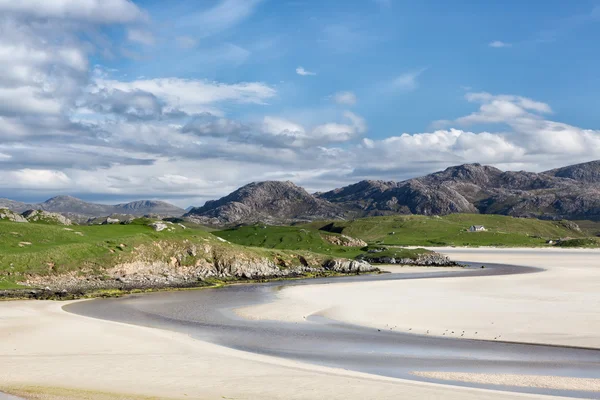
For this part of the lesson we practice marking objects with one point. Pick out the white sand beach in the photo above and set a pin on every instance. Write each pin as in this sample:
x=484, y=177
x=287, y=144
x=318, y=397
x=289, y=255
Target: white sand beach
x=558, y=306
x=64, y=356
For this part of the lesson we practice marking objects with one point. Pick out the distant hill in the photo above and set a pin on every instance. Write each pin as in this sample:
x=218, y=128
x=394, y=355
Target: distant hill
x=72, y=206
x=566, y=193
x=269, y=202
x=474, y=188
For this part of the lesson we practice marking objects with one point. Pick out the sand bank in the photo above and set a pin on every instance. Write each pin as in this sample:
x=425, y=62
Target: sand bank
x=49, y=354
x=558, y=306
x=546, y=382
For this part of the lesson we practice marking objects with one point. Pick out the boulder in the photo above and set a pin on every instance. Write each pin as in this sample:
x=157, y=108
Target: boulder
x=9, y=215
x=46, y=217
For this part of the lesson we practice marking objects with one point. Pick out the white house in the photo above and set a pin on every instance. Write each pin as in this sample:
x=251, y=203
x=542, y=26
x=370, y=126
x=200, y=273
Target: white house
x=477, y=228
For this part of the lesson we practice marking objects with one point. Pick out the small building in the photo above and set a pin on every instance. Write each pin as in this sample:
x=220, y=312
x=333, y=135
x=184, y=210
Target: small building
x=477, y=228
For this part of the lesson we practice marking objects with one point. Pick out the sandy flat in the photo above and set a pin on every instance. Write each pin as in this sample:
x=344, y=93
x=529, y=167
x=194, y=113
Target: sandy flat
x=538, y=381
x=557, y=306
x=49, y=354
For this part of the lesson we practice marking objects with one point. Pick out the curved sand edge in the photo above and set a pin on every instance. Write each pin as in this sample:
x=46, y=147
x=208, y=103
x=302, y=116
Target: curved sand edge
x=538, y=381
x=557, y=307
x=43, y=346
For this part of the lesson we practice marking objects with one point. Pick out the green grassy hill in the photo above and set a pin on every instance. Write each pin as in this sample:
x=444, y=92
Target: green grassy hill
x=286, y=237
x=308, y=239
x=451, y=230
x=28, y=249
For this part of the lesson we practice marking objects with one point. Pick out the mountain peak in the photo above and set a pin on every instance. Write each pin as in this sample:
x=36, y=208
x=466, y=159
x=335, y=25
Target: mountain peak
x=588, y=172
x=267, y=201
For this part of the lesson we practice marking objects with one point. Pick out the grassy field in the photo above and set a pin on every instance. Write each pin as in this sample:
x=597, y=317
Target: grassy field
x=286, y=238
x=451, y=230
x=308, y=239
x=29, y=249
x=41, y=248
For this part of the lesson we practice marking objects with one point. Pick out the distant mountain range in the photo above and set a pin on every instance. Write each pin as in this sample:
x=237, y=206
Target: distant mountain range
x=71, y=206
x=571, y=192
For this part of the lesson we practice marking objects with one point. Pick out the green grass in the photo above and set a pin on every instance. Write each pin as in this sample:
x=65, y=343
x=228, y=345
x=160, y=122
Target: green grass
x=286, y=238
x=40, y=249
x=450, y=230
x=293, y=238
x=585, y=242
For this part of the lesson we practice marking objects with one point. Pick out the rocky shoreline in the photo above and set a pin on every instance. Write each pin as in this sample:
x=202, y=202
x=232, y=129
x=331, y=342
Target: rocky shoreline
x=149, y=276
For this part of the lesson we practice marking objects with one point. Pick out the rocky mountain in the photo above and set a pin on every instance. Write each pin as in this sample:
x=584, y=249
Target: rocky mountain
x=268, y=202
x=587, y=172
x=569, y=193
x=73, y=207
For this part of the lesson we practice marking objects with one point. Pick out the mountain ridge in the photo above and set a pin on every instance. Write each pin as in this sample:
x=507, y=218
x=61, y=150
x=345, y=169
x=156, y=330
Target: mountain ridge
x=467, y=188
x=65, y=204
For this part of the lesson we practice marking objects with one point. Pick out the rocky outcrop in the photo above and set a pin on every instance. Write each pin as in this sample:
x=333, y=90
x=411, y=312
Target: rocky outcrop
x=12, y=216
x=586, y=172
x=166, y=264
x=343, y=240
x=269, y=202
x=46, y=217
x=349, y=266
x=423, y=260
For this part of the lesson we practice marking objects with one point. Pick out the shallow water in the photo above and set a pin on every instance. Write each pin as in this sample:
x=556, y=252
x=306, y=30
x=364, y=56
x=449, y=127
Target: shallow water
x=208, y=315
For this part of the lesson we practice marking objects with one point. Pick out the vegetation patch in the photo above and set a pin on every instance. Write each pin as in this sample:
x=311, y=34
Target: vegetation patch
x=452, y=230
x=584, y=242
x=288, y=238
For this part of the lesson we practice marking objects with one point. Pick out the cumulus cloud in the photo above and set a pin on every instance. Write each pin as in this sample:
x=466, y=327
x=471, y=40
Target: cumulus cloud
x=95, y=11
x=345, y=98
x=38, y=179
x=192, y=96
x=279, y=132
x=303, y=72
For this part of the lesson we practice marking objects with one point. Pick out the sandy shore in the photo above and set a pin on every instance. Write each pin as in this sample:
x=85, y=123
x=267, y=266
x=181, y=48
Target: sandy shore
x=546, y=382
x=558, y=306
x=49, y=354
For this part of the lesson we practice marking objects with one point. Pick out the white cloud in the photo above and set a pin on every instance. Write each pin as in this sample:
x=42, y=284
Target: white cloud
x=303, y=72
x=140, y=36
x=345, y=98
x=190, y=95
x=38, y=179
x=501, y=108
x=499, y=44
x=407, y=81
x=96, y=11
x=276, y=126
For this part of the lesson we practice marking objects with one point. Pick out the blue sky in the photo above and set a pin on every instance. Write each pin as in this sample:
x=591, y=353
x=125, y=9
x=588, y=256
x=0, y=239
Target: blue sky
x=362, y=45
x=187, y=100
